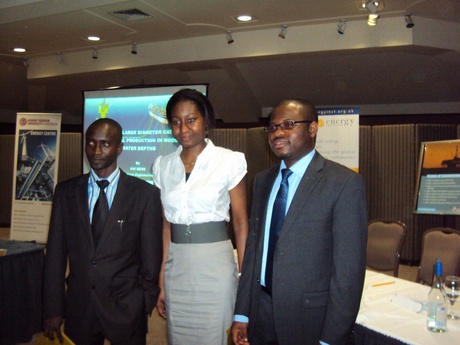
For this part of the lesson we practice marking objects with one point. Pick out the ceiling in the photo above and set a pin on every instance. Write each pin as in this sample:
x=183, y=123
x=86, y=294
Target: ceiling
x=421, y=76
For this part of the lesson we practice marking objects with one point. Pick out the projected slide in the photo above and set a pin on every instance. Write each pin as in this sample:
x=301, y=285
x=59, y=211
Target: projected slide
x=438, y=188
x=142, y=114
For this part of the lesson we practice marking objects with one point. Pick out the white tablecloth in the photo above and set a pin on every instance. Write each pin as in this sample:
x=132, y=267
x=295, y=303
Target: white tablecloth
x=382, y=314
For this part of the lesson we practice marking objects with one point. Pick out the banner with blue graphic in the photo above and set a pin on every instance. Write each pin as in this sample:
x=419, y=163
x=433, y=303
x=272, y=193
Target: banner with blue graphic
x=36, y=158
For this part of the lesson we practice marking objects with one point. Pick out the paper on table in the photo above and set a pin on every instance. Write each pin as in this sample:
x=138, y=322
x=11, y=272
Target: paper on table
x=42, y=340
x=407, y=303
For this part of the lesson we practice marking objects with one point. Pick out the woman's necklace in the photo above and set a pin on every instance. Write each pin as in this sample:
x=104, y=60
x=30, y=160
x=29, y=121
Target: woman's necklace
x=188, y=164
x=191, y=164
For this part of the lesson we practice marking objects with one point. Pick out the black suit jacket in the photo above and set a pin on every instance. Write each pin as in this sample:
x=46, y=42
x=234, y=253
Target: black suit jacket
x=320, y=257
x=119, y=279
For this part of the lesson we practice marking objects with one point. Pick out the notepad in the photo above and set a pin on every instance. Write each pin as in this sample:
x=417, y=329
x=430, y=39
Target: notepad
x=407, y=303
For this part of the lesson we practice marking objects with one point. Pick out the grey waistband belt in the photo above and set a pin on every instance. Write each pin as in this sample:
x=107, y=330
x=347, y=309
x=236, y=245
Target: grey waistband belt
x=199, y=233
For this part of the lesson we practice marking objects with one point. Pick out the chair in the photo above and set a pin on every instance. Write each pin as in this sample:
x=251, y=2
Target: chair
x=384, y=242
x=442, y=242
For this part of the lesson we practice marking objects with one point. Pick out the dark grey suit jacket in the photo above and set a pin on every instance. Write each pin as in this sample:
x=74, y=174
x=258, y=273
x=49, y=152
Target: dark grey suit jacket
x=320, y=257
x=119, y=279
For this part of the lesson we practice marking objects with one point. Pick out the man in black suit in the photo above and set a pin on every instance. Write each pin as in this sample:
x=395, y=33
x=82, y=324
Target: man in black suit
x=112, y=282
x=302, y=280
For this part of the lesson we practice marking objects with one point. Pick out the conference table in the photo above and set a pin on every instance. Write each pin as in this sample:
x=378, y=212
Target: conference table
x=21, y=279
x=392, y=312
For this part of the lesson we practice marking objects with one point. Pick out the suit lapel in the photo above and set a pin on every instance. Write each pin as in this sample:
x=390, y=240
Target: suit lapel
x=81, y=196
x=310, y=178
x=266, y=188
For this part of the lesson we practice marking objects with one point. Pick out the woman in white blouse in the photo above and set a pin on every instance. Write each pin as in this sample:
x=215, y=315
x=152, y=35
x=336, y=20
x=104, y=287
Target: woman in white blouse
x=198, y=183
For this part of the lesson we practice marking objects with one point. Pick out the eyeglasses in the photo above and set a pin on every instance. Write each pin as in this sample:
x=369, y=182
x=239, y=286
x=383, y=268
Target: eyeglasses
x=285, y=125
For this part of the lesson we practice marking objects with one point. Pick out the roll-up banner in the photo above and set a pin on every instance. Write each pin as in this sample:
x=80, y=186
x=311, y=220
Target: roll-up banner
x=338, y=135
x=36, y=158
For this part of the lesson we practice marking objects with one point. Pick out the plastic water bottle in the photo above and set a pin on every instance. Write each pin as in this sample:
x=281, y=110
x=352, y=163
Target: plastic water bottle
x=436, y=317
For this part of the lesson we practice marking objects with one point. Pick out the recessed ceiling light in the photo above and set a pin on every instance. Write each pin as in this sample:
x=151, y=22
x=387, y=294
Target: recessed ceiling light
x=94, y=38
x=244, y=18
x=19, y=50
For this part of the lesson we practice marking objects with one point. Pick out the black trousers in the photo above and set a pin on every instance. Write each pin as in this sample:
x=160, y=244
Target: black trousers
x=97, y=334
x=264, y=326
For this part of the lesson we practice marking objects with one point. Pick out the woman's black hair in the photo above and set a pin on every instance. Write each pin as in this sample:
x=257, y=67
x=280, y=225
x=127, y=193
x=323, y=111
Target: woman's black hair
x=201, y=101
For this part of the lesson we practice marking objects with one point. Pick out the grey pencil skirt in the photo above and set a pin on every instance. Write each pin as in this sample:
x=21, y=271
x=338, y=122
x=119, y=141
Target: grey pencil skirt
x=200, y=292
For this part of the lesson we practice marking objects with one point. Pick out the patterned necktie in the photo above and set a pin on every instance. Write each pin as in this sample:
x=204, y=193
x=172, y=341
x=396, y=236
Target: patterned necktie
x=278, y=214
x=100, y=212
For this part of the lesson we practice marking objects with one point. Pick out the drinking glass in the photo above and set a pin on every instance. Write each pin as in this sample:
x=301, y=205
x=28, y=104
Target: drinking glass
x=452, y=291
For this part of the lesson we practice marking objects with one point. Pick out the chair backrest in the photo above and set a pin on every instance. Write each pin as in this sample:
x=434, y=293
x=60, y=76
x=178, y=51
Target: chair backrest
x=442, y=242
x=384, y=242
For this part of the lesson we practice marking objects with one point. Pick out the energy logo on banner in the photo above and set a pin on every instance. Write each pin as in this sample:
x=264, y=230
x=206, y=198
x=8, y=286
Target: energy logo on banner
x=338, y=135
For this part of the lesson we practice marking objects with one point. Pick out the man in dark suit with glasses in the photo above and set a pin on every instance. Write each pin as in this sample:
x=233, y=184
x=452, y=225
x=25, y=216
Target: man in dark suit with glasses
x=305, y=259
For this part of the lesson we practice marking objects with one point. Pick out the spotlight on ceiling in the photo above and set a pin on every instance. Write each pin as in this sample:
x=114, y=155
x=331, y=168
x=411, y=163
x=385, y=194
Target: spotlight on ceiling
x=244, y=18
x=94, y=53
x=372, y=19
x=94, y=38
x=372, y=7
x=341, y=26
x=134, y=49
x=409, y=22
x=283, y=31
x=230, y=39
x=59, y=57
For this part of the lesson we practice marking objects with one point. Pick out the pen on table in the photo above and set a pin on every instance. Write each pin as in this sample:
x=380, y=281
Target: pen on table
x=381, y=284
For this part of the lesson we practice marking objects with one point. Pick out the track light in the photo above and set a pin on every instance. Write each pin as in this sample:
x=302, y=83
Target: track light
x=372, y=19
x=372, y=7
x=134, y=49
x=409, y=22
x=283, y=31
x=94, y=53
x=229, y=37
x=59, y=58
x=341, y=26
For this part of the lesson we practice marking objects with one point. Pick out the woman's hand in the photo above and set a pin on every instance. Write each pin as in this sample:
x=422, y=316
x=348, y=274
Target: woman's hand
x=161, y=306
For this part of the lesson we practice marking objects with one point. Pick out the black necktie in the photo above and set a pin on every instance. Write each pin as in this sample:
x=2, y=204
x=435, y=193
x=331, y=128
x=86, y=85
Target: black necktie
x=278, y=214
x=100, y=212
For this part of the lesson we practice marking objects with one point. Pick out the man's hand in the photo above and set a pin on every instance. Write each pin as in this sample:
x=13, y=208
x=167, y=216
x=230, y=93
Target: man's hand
x=51, y=326
x=240, y=333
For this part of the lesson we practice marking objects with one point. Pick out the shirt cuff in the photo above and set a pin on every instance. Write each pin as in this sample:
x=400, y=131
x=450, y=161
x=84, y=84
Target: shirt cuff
x=240, y=318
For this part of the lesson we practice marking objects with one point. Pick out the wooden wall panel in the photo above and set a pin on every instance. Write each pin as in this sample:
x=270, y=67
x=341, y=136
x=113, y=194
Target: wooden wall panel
x=393, y=178
x=232, y=138
x=70, y=156
x=258, y=155
x=365, y=159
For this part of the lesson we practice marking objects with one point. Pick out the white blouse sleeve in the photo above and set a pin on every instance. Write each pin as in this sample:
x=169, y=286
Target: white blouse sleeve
x=156, y=171
x=238, y=169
